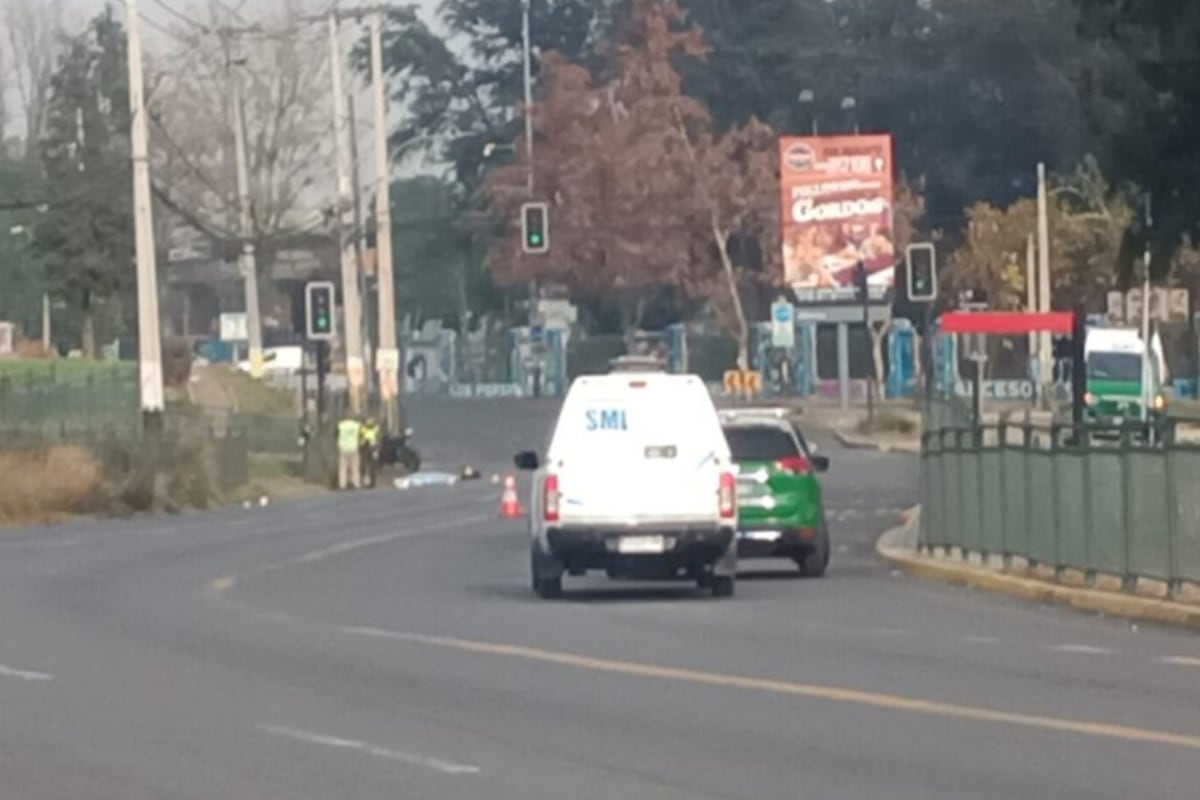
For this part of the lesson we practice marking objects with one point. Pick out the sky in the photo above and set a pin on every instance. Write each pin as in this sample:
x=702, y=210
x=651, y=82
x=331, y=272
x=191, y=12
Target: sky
x=168, y=15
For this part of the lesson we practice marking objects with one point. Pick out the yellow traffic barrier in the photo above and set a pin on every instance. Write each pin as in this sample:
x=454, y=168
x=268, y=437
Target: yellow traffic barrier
x=733, y=381
x=752, y=383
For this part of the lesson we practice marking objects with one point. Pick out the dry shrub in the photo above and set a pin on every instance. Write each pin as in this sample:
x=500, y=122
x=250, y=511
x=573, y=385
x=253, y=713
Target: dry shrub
x=191, y=476
x=889, y=422
x=40, y=485
x=32, y=348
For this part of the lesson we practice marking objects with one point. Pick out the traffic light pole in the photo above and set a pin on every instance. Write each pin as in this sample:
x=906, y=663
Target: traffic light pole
x=864, y=290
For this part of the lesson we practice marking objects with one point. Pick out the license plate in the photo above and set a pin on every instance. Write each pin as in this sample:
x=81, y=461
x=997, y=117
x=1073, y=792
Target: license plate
x=639, y=545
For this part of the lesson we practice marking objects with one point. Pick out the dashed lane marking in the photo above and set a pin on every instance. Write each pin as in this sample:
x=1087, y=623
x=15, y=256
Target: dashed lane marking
x=892, y=702
x=1180, y=661
x=1084, y=649
x=225, y=583
x=24, y=674
x=366, y=748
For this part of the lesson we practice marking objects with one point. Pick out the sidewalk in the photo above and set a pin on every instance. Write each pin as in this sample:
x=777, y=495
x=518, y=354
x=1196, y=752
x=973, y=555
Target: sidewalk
x=899, y=547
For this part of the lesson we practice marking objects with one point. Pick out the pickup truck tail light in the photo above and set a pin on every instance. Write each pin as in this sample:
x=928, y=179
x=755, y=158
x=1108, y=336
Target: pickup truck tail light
x=550, y=499
x=795, y=464
x=727, y=496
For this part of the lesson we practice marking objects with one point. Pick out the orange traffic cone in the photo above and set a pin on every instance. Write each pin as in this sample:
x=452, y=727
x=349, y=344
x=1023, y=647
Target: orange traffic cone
x=510, y=504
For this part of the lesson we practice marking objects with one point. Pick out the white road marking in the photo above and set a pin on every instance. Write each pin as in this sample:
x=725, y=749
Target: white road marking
x=841, y=694
x=1085, y=649
x=358, y=544
x=981, y=639
x=436, y=764
x=1180, y=661
x=221, y=585
x=24, y=674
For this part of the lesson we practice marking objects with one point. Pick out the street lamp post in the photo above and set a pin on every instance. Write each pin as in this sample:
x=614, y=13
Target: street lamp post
x=527, y=47
x=849, y=104
x=808, y=97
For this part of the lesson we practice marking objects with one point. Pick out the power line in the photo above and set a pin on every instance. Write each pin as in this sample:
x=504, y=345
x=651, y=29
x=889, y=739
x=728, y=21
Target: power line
x=182, y=17
x=191, y=165
x=163, y=29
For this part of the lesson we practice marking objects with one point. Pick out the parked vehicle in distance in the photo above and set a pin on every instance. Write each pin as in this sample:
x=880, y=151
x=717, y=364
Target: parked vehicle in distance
x=637, y=482
x=781, y=513
x=1120, y=379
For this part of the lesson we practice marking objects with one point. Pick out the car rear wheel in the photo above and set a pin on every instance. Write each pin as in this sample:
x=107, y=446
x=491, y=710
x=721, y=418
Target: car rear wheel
x=815, y=563
x=721, y=585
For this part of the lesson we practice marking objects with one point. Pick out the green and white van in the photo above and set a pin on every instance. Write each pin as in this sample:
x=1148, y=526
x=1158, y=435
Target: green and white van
x=1115, y=375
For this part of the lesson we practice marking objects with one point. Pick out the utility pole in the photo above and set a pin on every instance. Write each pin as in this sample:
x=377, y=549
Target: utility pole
x=351, y=300
x=1031, y=301
x=247, y=259
x=149, y=342
x=387, y=357
x=359, y=242
x=1043, y=231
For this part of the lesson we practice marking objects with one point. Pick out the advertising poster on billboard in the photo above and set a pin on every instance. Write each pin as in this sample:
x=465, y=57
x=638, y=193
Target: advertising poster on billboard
x=836, y=210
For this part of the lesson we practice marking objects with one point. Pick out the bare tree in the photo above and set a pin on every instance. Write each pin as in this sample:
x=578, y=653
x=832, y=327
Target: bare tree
x=33, y=30
x=286, y=108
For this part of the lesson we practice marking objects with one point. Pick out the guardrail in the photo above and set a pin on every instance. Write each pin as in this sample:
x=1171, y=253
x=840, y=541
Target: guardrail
x=1064, y=498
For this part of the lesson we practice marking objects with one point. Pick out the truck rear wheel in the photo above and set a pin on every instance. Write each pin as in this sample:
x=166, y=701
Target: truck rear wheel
x=544, y=586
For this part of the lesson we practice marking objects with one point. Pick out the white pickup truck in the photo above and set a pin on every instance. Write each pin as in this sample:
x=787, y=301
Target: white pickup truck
x=637, y=482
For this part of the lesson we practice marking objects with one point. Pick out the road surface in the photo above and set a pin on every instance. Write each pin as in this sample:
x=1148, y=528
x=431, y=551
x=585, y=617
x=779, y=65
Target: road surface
x=387, y=646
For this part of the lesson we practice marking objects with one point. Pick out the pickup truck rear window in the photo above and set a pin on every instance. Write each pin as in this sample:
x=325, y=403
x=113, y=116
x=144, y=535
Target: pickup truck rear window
x=759, y=443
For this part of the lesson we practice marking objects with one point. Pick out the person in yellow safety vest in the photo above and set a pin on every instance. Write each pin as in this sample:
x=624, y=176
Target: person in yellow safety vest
x=369, y=452
x=349, y=462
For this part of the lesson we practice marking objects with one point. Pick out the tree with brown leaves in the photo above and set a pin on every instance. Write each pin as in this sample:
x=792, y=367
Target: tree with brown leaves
x=644, y=194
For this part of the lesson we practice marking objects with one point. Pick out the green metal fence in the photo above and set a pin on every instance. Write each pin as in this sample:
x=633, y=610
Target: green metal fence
x=71, y=398
x=1063, y=499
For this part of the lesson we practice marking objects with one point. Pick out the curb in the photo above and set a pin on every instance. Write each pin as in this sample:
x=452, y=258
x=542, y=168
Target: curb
x=851, y=442
x=1147, y=609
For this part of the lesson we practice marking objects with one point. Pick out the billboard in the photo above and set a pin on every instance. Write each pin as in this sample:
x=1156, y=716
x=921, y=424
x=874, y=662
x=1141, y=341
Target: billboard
x=1166, y=305
x=836, y=210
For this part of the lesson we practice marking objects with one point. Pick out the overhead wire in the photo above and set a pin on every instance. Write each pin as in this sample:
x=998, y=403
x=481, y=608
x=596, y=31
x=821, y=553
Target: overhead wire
x=181, y=16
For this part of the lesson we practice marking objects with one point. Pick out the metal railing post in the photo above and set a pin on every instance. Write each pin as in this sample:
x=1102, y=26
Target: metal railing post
x=1127, y=580
x=1030, y=515
x=962, y=504
x=980, y=490
x=1002, y=448
x=1089, y=566
x=1055, y=508
x=1174, y=580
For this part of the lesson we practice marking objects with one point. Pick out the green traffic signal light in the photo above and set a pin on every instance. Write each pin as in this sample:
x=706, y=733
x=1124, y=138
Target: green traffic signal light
x=534, y=223
x=319, y=309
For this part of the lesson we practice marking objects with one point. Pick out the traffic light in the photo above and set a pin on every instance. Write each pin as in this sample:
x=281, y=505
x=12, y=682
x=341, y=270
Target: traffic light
x=535, y=227
x=922, y=273
x=319, y=301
